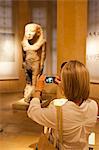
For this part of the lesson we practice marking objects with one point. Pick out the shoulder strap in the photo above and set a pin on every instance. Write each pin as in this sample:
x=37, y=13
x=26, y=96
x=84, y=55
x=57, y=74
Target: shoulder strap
x=59, y=123
x=58, y=103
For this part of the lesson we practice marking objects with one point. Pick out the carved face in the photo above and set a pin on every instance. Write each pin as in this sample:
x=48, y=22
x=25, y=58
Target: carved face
x=30, y=31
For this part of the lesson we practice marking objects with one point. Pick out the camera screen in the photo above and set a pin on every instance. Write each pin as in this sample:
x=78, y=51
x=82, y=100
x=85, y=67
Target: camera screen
x=49, y=79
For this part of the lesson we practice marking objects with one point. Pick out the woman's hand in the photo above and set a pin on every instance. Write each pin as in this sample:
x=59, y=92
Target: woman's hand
x=57, y=80
x=40, y=83
x=39, y=86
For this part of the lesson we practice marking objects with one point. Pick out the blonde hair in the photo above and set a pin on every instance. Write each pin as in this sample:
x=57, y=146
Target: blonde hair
x=75, y=81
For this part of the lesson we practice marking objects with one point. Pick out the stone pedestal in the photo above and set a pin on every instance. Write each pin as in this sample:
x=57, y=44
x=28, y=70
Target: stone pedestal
x=49, y=93
x=20, y=105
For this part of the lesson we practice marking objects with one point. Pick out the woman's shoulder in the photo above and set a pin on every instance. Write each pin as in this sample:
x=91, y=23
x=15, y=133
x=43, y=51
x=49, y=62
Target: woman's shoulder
x=92, y=103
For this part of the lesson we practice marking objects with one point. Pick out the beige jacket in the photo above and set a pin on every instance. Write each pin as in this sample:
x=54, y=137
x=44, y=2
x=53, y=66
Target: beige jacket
x=78, y=121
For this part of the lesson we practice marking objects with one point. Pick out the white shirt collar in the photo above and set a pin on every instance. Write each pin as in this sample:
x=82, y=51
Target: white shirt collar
x=59, y=102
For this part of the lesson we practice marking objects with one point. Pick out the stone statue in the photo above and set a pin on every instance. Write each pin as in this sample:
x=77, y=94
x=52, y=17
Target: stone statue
x=34, y=53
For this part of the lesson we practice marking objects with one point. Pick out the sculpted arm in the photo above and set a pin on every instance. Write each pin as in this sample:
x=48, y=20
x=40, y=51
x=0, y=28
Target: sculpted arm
x=43, y=55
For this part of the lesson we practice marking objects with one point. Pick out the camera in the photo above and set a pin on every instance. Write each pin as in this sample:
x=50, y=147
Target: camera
x=50, y=79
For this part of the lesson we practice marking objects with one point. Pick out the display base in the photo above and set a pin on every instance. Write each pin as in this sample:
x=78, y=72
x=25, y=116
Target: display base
x=20, y=105
x=48, y=93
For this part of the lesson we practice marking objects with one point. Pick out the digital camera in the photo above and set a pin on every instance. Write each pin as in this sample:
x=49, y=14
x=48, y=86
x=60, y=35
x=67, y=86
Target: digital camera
x=50, y=79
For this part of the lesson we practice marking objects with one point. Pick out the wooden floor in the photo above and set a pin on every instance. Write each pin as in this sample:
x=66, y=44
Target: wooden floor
x=19, y=132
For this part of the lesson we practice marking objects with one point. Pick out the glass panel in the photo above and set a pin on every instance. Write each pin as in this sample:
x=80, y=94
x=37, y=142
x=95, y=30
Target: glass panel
x=5, y=16
x=39, y=16
x=8, y=55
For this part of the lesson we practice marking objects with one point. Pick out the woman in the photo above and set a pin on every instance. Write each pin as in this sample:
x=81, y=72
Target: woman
x=79, y=112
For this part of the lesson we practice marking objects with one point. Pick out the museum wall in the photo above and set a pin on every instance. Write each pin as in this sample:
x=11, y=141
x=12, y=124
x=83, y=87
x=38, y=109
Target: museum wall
x=72, y=33
x=94, y=91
